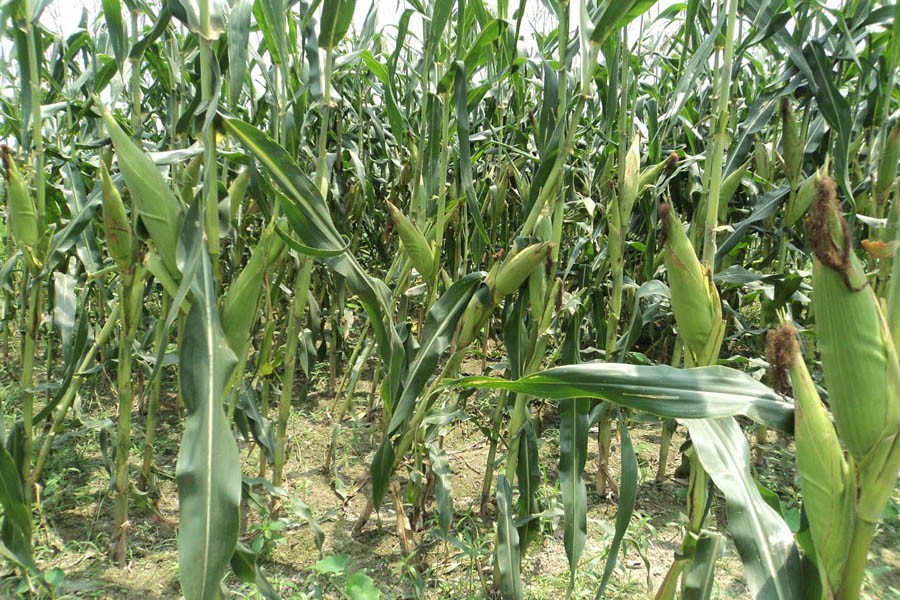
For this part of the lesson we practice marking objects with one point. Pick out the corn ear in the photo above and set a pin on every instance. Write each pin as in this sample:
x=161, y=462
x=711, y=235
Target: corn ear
x=858, y=355
x=827, y=482
x=695, y=300
x=631, y=181
x=476, y=314
x=237, y=191
x=503, y=279
x=155, y=203
x=728, y=189
x=190, y=178
x=115, y=223
x=887, y=164
x=20, y=210
x=651, y=174
x=790, y=141
x=417, y=247
x=800, y=202
x=763, y=160
x=730, y=185
x=516, y=268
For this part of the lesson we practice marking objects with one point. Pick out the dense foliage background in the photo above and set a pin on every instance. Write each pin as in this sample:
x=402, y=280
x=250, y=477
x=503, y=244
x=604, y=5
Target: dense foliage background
x=232, y=226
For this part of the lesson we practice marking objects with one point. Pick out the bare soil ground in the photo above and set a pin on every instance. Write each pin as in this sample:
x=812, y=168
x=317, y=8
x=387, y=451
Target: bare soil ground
x=76, y=517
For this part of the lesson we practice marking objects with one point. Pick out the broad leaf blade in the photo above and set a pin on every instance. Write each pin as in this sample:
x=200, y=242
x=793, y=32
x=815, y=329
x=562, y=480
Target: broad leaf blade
x=659, y=389
x=208, y=471
x=627, y=497
x=336, y=18
x=764, y=541
x=508, y=556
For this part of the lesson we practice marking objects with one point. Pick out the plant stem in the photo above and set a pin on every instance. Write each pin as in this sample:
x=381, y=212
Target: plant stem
x=69, y=396
x=295, y=315
x=32, y=321
x=857, y=556
x=719, y=140
x=153, y=404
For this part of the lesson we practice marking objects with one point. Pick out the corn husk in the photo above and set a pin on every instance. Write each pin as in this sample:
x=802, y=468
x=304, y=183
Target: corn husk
x=516, y=269
x=237, y=191
x=695, y=300
x=120, y=241
x=791, y=144
x=887, y=164
x=827, y=481
x=20, y=210
x=858, y=355
x=414, y=243
x=800, y=202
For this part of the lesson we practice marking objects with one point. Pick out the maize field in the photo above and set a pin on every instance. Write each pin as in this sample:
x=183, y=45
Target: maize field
x=450, y=299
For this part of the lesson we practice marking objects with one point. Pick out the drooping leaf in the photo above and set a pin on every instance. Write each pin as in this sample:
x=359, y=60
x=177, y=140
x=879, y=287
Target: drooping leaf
x=627, y=497
x=507, y=551
x=440, y=466
x=208, y=472
x=659, y=389
x=238, y=45
x=764, y=541
x=16, y=530
x=112, y=13
x=440, y=325
x=699, y=580
x=245, y=564
x=336, y=18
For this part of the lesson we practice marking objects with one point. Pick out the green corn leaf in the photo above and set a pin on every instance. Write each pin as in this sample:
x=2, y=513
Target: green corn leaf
x=16, y=530
x=245, y=564
x=615, y=16
x=627, y=497
x=460, y=95
x=661, y=390
x=835, y=109
x=112, y=13
x=699, y=579
x=336, y=18
x=240, y=302
x=319, y=231
x=440, y=15
x=208, y=472
x=309, y=217
x=238, y=45
x=573, y=445
x=64, y=304
x=507, y=553
x=270, y=17
x=764, y=541
x=528, y=479
x=573, y=438
x=440, y=466
x=162, y=22
x=440, y=325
